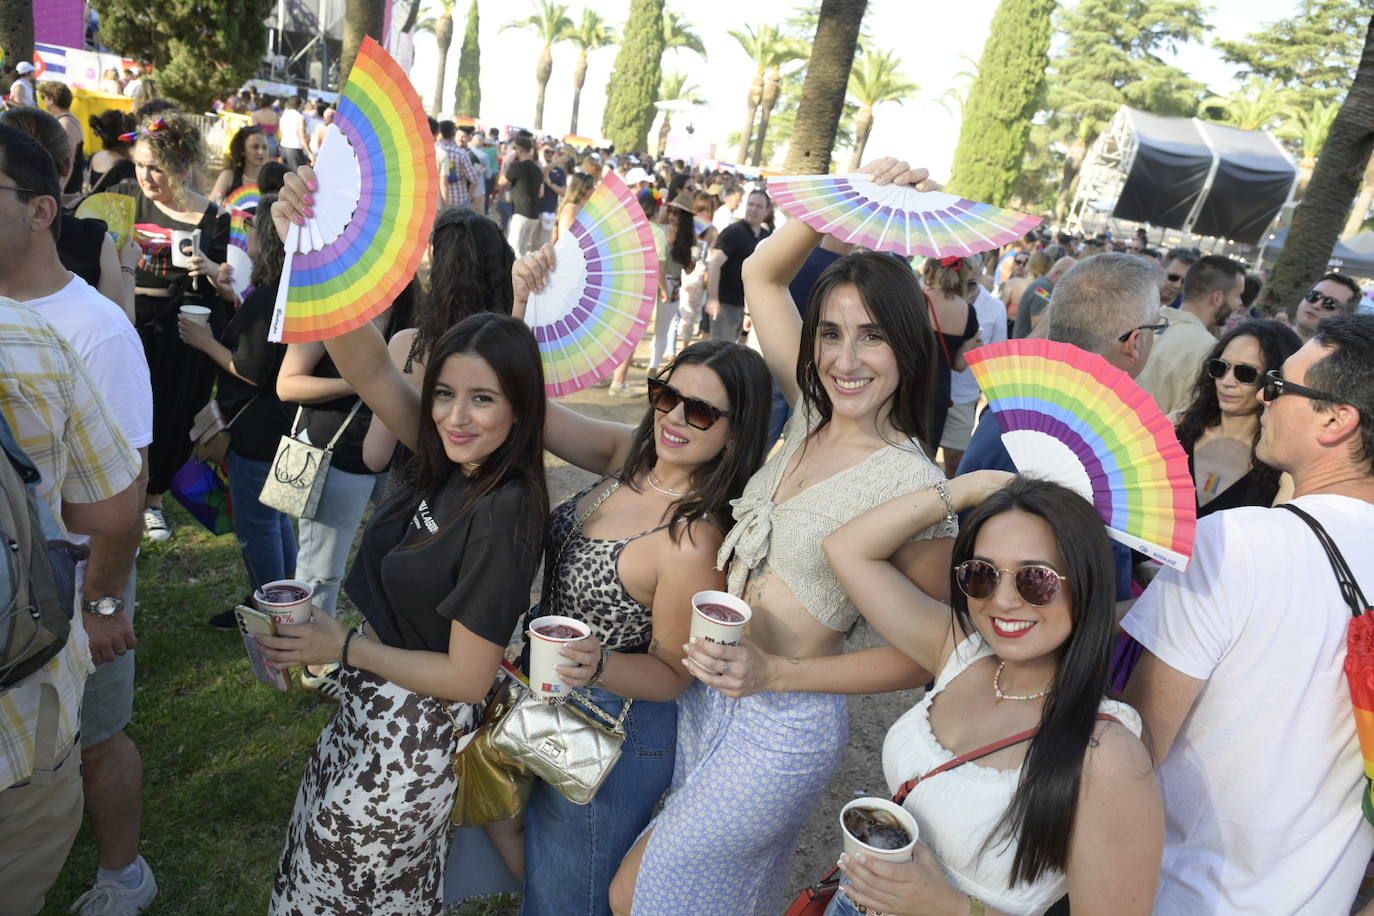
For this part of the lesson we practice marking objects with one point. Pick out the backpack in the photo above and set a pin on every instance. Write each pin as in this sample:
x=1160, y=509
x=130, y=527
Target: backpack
x=37, y=573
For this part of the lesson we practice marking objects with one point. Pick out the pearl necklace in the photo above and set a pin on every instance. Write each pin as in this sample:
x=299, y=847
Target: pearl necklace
x=1000, y=696
x=675, y=494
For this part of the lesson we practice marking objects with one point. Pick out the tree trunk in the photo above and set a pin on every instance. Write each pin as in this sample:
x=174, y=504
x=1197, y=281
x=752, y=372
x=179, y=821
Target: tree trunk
x=663, y=132
x=411, y=16
x=1318, y=219
x=361, y=18
x=1305, y=167
x=579, y=79
x=755, y=99
x=863, y=126
x=1362, y=203
x=16, y=33
x=542, y=74
x=772, y=83
x=827, y=81
x=443, y=35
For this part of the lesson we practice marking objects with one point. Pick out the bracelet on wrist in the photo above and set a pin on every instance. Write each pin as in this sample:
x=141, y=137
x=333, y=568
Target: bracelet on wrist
x=343, y=651
x=942, y=488
x=127, y=270
x=600, y=671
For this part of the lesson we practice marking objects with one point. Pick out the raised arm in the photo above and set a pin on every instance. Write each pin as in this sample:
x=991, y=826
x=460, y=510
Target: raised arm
x=380, y=443
x=363, y=360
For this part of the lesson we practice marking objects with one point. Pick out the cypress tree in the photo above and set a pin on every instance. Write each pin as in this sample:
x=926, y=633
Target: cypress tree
x=633, y=88
x=469, y=91
x=1002, y=101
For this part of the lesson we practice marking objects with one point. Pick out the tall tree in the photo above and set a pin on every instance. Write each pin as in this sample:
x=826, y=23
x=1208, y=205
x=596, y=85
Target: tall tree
x=16, y=31
x=1111, y=57
x=634, y=81
x=199, y=50
x=1318, y=219
x=678, y=33
x=827, y=80
x=551, y=23
x=768, y=47
x=592, y=33
x=361, y=19
x=874, y=81
x=675, y=88
x=1307, y=128
x=467, y=97
x=443, y=37
x=1316, y=49
x=1002, y=101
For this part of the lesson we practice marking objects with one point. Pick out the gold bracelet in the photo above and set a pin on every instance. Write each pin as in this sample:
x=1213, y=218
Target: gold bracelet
x=976, y=907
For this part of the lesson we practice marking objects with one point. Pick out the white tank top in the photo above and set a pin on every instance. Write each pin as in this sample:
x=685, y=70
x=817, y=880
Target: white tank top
x=957, y=809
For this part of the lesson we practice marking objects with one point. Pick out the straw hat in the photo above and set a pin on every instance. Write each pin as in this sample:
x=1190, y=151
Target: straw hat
x=684, y=201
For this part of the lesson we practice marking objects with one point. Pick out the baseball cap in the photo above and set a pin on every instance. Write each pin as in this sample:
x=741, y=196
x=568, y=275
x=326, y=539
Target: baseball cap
x=636, y=174
x=24, y=67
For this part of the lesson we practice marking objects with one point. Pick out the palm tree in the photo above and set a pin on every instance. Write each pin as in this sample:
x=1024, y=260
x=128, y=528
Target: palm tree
x=591, y=34
x=768, y=47
x=1308, y=128
x=442, y=28
x=678, y=33
x=675, y=88
x=827, y=77
x=361, y=18
x=873, y=81
x=1255, y=106
x=551, y=23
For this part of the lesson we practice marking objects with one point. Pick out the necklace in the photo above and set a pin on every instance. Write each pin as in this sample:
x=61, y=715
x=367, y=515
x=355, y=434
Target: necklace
x=675, y=494
x=997, y=688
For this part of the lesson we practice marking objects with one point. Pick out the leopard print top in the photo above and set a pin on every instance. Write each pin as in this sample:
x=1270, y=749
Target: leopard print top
x=583, y=580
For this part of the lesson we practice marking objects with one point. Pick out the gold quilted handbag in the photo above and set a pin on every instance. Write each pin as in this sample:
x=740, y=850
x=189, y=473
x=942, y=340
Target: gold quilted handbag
x=491, y=785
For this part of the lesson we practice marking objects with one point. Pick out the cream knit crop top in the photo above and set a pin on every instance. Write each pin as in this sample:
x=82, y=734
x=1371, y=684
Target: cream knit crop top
x=788, y=535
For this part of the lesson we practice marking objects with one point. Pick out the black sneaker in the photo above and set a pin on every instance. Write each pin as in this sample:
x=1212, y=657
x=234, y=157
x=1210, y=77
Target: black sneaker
x=224, y=620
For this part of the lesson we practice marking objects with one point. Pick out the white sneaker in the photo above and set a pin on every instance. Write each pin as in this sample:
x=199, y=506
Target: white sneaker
x=110, y=898
x=155, y=527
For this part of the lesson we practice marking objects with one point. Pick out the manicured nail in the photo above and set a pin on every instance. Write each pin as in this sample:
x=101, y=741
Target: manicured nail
x=309, y=212
x=309, y=199
x=692, y=641
x=313, y=185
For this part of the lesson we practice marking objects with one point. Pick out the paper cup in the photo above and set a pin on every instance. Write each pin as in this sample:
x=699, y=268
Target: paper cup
x=294, y=610
x=854, y=847
x=185, y=244
x=544, y=656
x=713, y=629
x=197, y=313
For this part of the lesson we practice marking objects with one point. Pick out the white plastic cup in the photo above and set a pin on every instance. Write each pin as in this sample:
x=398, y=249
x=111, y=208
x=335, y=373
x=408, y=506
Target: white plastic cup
x=197, y=313
x=544, y=656
x=854, y=847
x=296, y=610
x=713, y=629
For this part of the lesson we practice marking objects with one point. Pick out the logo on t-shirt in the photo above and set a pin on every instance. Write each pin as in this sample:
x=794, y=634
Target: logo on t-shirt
x=423, y=518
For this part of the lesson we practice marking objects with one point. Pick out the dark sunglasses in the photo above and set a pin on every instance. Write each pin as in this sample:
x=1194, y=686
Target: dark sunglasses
x=1020, y=261
x=1037, y=585
x=1159, y=328
x=1276, y=385
x=1174, y=278
x=699, y=415
x=1330, y=303
x=1245, y=374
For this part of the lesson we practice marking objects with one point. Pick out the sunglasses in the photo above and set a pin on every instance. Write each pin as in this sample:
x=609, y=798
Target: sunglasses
x=1174, y=278
x=1037, y=585
x=1276, y=385
x=699, y=415
x=1330, y=303
x=1245, y=374
x=1158, y=328
x=1019, y=262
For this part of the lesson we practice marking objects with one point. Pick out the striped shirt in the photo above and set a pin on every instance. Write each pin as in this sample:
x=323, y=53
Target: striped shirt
x=59, y=419
x=455, y=171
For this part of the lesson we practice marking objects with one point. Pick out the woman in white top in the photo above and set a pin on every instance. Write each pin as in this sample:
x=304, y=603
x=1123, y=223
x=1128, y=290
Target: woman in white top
x=1075, y=807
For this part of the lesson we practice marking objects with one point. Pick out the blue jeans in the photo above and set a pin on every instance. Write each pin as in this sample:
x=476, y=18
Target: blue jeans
x=326, y=538
x=572, y=851
x=265, y=535
x=778, y=417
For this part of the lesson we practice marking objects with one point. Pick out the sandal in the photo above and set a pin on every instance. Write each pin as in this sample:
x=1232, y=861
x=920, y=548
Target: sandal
x=326, y=683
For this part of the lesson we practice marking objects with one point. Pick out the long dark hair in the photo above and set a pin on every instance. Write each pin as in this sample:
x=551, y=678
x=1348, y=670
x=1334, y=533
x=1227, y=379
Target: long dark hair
x=235, y=157
x=508, y=346
x=889, y=292
x=745, y=377
x=271, y=251
x=683, y=227
x=470, y=272
x=1277, y=342
x=1040, y=818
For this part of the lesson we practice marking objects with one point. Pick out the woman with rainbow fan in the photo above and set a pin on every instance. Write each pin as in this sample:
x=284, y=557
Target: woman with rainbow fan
x=1023, y=656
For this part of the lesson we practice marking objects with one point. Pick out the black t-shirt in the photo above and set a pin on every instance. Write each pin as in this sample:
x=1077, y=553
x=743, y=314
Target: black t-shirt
x=526, y=185
x=414, y=574
x=80, y=246
x=256, y=433
x=325, y=418
x=738, y=242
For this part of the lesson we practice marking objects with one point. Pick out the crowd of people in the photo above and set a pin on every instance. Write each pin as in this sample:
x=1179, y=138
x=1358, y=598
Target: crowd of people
x=1146, y=740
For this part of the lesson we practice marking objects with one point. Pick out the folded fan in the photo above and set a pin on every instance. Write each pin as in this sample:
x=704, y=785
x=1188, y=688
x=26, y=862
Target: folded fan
x=896, y=217
x=117, y=210
x=1069, y=416
x=237, y=253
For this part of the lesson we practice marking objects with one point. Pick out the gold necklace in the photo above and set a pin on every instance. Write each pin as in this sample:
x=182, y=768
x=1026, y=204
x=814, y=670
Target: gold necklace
x=1000, y=696
x=675, y=494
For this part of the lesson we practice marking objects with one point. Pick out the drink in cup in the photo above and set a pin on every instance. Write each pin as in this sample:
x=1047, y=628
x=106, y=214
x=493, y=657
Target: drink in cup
x=879, y=829
x=719, y=617
x=547, y=635
x=287, y=600
x=197, y=313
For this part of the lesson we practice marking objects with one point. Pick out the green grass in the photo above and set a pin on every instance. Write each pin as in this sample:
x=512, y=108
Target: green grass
x=222, y=754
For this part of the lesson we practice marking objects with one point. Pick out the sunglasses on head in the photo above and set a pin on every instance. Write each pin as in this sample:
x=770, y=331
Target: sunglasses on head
x=1330, y=303
x=1245, y=374
x=699, y=415
x=1276, y=385
x=1037, y=585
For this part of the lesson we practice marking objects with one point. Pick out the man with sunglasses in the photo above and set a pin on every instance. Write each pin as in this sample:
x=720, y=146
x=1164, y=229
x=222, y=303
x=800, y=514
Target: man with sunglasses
x=1333, y=294
x=1211, y=291
x=1176, y=265
x=1242, y=685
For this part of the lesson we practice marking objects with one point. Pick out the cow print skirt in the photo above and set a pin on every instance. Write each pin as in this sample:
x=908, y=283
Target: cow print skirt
x=368, y=832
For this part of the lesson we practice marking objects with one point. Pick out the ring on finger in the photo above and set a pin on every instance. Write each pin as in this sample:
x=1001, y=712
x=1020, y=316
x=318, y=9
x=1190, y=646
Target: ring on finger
x=726, y=669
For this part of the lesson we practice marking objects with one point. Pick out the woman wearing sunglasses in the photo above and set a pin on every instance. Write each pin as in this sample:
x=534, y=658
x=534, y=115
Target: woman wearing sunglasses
x=1221, y=426
x=1024, y=655
x=761, y=735
x=625, y=556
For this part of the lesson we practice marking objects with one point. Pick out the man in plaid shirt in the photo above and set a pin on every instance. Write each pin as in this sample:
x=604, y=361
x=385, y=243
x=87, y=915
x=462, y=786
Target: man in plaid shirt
x=457, y=174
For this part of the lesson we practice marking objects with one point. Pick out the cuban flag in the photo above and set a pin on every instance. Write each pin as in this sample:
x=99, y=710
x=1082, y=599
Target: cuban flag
x=50, y=60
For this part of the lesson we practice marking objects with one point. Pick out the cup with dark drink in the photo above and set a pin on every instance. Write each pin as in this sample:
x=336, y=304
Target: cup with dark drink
x=547, y=635
x=719, y=617
x=287, y=600
x=878, y=828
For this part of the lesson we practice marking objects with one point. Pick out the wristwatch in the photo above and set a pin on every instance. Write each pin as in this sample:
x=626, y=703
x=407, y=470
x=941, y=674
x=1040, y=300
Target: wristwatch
x=104, y=606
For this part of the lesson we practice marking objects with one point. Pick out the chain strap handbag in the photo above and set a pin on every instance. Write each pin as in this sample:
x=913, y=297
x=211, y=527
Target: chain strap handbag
x=210, y=431
x=492, y=785
x=296, y=479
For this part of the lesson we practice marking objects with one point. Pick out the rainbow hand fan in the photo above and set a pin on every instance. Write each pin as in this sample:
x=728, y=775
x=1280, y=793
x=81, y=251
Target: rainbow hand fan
x=1069, y=416
x=601, y=293
x=896, y=217
x=237, y=253
x=244, y=197
x=378, y=191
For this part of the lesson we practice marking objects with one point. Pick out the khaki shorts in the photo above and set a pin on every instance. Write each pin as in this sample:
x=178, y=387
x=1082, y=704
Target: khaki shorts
x=959, y=426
